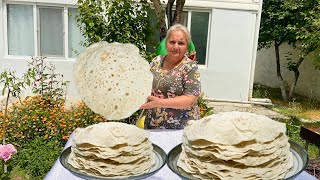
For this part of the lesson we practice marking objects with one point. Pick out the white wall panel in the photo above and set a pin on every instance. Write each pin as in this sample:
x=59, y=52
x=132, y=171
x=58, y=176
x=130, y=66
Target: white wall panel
x=227, y=76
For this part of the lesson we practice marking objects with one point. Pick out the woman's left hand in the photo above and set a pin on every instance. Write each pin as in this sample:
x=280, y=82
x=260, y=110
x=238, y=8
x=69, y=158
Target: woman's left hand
x=152, y=103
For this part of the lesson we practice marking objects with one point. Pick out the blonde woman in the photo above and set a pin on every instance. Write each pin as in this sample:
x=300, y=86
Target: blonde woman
x=176, y=84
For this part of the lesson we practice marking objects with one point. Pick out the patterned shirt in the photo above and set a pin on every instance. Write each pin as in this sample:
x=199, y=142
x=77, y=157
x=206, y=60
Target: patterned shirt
x=184, y=79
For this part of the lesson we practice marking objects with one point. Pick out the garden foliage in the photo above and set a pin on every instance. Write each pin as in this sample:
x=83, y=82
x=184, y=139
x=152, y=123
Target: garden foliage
x=296, y=23
x=39, y=125
x=124, y=21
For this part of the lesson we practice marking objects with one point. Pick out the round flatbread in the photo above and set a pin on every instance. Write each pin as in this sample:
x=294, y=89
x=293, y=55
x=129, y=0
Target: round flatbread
x=113, y=79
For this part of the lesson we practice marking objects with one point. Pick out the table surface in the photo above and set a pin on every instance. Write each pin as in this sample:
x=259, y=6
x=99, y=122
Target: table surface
x=311, y=134
x=165, y=139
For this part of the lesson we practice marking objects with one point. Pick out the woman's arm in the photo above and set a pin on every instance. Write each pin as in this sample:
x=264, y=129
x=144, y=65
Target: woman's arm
x=178, y=102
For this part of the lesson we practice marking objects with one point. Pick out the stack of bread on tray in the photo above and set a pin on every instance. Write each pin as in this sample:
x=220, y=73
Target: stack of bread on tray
x=236, y=145
x=112, y=149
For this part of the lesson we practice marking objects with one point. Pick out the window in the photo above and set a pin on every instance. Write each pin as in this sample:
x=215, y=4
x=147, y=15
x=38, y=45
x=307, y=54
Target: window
x=51, y=31
x=199, y=30
x=20, y=30
x=74, y=35
x=49, y=27
x=198, y=24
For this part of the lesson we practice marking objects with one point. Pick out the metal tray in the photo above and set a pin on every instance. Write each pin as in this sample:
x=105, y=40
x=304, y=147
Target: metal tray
x=159, y=154
x=300, y=159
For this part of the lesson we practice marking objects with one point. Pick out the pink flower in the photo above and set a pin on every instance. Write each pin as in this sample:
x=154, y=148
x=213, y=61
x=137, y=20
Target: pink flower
x=6, y=151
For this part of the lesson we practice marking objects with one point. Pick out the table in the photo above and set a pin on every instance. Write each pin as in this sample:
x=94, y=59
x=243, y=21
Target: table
x=311, y=134
x=165, y=139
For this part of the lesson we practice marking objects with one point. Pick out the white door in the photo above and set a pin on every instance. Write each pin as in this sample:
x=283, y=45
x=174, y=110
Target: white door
x=226, y=76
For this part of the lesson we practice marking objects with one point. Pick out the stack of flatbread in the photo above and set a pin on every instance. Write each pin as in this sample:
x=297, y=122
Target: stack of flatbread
x=236, y=145
x=111, y=149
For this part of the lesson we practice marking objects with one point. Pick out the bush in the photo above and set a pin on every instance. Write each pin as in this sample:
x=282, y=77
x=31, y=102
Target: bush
x=205, y=110
x=38, y=156
x=38, y=117
x=259, y=92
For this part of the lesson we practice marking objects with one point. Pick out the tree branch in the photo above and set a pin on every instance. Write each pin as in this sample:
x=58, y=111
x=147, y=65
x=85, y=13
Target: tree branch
x=169, y=12
x=282, y=82
x=178, y=11
x=160, y=13
x=296, y=77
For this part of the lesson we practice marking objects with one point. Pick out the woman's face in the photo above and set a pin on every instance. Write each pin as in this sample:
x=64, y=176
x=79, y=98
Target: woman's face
x=177, y=45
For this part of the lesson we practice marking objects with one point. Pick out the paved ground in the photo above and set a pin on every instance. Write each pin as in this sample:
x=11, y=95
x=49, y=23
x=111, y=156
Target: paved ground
x=258, y=109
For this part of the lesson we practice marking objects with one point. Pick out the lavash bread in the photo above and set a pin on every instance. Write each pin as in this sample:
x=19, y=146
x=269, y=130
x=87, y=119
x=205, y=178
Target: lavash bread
x=236, y=145
x=113, y=79
x=111, y=149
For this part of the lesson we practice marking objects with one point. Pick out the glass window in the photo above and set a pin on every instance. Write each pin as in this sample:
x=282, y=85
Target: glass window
x=20, y=30
x=155, y=39
x=51, y=31
x=184, y=18
x=74, y=34
x=199, y=32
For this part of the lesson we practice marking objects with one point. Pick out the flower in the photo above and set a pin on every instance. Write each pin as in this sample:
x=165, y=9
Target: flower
x=6, y=151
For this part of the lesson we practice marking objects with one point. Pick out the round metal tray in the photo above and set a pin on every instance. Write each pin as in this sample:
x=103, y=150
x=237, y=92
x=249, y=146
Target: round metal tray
x=159, y=154
x=300, y=157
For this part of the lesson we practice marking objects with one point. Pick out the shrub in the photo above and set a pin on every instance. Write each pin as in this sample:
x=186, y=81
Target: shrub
x=37, y=117
x=205, y=110
x=38, y=156
x=259, y=92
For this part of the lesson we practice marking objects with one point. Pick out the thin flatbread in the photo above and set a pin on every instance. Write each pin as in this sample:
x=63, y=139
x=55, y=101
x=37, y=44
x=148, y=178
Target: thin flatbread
x=113, y=79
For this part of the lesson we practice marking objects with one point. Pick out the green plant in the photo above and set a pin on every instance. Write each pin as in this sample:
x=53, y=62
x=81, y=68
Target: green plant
x=13, y=85
x=205, y=110
x=259, y=92
x=37, y=117
x=124, y=21
x=16, y=173
x=38, y=156
x=293, y=131
x=45, y=81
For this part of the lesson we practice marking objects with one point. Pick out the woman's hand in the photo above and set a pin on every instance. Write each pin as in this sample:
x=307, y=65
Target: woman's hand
x=178, y=102
x=152, y=102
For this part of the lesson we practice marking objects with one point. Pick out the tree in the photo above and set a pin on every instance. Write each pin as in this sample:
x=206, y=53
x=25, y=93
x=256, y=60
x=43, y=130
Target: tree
x=123, y=21
x=296, y=23
x=12, y=87
x=172, y=18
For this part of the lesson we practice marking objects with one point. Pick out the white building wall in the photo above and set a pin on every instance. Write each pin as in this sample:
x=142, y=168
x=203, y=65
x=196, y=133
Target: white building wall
x=1, y=34
x=265, y=72
x=228, y=75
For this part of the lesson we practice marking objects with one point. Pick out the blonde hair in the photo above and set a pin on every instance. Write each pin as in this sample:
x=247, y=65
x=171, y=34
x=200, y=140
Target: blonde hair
x=180, y=27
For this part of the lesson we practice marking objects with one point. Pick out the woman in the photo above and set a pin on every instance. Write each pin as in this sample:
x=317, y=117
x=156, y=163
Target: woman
x=176, y=84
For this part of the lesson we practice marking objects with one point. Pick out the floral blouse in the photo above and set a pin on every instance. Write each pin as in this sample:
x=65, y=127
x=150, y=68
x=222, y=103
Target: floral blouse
x=181, y=80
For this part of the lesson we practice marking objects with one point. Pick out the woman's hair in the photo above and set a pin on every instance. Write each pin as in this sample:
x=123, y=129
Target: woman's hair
x=180, y=27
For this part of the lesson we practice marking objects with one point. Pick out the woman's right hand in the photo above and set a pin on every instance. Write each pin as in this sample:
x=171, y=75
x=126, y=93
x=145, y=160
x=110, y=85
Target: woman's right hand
x=152, y=102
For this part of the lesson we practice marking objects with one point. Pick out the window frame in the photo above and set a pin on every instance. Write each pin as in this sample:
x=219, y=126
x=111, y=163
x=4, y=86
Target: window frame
x=36, y=29
x=189, y=10
x=39, y=30
x=5, y=28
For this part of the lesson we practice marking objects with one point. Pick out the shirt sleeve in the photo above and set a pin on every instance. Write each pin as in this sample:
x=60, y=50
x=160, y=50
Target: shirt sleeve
x=191, y=80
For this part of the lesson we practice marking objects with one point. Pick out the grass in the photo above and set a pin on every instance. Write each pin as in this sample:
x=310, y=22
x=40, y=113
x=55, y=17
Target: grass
x=298, y=108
